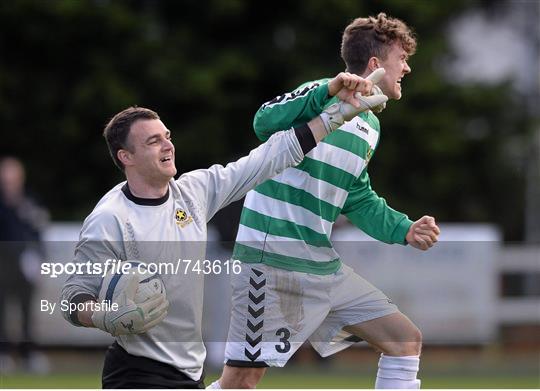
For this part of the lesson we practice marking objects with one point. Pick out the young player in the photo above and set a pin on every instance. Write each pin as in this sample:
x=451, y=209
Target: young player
x=294, y=287
x=151, y=217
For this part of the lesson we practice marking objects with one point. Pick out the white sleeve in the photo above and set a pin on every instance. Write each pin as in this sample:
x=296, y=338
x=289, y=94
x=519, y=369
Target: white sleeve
x=100, y=239
x=218, y=186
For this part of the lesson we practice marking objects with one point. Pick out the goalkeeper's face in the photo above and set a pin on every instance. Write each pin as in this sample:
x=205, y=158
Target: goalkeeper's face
x=396, y=68
x=152, y=152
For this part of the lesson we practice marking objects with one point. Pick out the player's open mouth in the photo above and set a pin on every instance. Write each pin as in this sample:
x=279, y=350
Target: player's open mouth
x=165, y=159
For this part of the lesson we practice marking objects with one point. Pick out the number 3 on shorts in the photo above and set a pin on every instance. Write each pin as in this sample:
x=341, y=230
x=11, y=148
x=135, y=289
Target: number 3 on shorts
x=284, y=335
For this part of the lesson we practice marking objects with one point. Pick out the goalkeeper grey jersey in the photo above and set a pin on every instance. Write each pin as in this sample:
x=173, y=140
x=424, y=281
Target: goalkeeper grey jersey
x=124, y=227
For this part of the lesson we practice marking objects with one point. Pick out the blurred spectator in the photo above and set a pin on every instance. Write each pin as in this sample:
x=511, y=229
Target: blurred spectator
x=21, y=222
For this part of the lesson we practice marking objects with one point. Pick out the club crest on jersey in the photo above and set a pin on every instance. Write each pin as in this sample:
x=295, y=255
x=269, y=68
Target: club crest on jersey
x=182, y=218
x=369, y=154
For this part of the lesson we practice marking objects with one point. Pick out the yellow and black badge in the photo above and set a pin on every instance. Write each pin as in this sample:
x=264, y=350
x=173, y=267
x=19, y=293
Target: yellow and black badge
x=369, y=154
x=182, y=218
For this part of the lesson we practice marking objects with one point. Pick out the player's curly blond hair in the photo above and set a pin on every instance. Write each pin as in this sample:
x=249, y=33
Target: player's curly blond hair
x=372, y=37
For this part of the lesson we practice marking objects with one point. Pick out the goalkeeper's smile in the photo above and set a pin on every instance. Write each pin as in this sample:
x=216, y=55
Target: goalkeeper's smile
x=150, y=162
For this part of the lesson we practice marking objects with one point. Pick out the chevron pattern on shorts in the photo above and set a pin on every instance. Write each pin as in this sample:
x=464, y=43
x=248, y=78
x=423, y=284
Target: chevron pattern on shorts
x=255, y=318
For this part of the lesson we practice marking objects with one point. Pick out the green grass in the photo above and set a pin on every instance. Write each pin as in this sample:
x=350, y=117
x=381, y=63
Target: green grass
x=287, y=380
x=324, y=381
x=51, y=381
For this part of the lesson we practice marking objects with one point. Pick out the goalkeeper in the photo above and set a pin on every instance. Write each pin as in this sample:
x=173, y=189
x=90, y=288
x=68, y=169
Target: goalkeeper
x=293, y=286
x=152, y=216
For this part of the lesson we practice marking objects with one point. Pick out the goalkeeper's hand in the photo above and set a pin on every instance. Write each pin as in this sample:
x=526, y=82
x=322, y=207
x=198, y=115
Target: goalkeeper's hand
x=131, y=317
x=337, y=114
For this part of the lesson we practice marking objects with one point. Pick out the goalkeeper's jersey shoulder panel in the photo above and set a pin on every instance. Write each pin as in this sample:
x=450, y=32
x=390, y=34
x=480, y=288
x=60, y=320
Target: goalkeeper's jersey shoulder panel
x=287, y=221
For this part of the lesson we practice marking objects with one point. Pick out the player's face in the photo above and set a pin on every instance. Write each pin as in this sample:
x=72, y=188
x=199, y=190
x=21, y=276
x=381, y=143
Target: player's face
x=12, y=177
x=152, y=150
x=396, y=68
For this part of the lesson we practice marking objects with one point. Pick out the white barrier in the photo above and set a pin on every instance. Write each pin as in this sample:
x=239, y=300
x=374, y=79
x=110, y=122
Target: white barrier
x=450, y=291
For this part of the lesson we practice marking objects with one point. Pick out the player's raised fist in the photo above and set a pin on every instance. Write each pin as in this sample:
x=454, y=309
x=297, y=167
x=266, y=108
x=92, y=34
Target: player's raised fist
x=423, y=233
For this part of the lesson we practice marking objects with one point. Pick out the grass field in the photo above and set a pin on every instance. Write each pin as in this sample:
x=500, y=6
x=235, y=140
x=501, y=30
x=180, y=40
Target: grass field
x=286, y=380
x=457, y=368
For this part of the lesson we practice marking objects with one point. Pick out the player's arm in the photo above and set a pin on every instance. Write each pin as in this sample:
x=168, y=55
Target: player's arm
x=80, y=290
x=220, y=185
x=308, y=100
x=369, y=212
x=79, y=299
x=291, y=109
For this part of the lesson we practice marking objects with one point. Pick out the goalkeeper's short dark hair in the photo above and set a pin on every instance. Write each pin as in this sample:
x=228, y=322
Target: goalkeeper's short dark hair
x=117, y=130
x=373, y=37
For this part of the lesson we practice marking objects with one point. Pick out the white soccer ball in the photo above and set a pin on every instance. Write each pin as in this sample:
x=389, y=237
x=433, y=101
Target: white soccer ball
x=115, y=281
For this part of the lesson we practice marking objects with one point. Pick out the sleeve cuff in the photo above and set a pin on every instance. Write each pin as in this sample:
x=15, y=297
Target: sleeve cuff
x=78, y=299
x=305, y=138
x=400, y=232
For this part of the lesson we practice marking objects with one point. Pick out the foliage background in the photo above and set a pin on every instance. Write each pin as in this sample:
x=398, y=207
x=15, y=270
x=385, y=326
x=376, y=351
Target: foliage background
x=457, y=152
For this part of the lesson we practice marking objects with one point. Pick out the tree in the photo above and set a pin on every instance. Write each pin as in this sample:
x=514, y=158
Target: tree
x=206, y=67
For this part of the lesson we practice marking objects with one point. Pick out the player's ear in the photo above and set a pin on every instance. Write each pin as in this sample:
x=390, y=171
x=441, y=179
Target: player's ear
x=373, y=64
x=124, y=156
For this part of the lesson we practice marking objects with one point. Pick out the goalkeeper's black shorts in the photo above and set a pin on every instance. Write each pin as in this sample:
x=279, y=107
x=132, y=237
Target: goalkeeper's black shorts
x=123, y=370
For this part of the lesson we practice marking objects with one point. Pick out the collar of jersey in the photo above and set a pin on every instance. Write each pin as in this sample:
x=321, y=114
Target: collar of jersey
x=144, y=201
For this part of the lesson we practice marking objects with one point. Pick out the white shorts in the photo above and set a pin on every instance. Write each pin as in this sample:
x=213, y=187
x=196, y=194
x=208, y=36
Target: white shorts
x=274, y=311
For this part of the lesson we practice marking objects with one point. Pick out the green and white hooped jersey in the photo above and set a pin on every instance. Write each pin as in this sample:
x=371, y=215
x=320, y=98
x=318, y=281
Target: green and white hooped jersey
x=287, y=221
